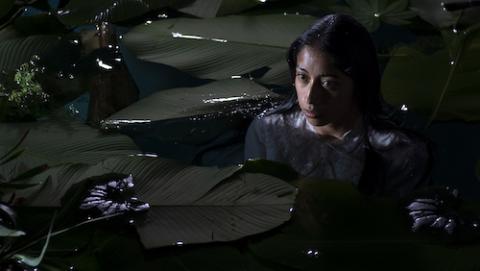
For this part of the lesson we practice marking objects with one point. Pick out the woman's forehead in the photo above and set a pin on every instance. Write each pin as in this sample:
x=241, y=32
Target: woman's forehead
x=313, y=59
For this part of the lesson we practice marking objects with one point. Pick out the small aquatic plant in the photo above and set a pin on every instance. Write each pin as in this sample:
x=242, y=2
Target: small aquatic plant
x=25, y=95
x=113, y=197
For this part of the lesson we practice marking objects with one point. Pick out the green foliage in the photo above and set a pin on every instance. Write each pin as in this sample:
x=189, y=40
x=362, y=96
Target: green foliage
x=25, y=97
x=223, y=47
x=371, y=12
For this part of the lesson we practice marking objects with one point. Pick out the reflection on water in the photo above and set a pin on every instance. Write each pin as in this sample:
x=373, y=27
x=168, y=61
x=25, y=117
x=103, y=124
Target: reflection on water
x=314, y=253
x=183, y=36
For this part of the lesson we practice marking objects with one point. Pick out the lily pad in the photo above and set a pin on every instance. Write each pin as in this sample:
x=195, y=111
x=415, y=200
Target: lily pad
x=220, y=48
x=439, y=85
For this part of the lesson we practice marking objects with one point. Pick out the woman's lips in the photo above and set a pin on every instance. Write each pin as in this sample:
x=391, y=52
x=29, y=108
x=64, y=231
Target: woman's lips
x=310, y=114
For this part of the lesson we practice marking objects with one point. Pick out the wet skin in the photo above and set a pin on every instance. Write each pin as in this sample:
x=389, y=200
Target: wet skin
x=325, y=94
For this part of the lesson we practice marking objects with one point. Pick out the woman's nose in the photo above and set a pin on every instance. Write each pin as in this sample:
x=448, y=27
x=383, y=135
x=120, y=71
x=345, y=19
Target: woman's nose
x=315, y=93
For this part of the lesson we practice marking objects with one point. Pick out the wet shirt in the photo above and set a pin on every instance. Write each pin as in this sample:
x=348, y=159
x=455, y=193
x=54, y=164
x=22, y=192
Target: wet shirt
x=289, y=138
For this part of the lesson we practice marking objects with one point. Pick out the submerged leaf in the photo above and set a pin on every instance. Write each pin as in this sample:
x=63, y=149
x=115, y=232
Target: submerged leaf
x=220, y=48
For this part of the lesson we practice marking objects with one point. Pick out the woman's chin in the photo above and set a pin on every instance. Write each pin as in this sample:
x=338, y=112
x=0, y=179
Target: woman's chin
x=317, y=121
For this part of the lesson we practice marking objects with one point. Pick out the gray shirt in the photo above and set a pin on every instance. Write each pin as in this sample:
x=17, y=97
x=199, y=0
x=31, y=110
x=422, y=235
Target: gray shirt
x=289, y=138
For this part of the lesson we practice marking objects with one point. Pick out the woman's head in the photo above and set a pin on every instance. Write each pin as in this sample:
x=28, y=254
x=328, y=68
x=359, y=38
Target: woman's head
x=335, y=70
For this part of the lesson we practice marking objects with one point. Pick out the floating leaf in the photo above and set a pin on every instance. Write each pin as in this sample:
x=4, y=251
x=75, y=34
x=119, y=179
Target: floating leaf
x=198, y=205
x=78, y=12
x=227, y=97
x=187, y=204
x=199, y=118
x=220, y=48
x=439, y=85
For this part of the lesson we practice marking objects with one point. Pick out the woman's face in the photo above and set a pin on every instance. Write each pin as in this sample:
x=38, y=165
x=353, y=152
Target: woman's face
x=325, y=94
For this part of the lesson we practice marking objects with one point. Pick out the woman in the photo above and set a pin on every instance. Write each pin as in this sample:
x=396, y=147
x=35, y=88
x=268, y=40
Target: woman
x=336, y=124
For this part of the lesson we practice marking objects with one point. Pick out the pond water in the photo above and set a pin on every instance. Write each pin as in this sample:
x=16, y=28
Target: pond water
x=146, y=115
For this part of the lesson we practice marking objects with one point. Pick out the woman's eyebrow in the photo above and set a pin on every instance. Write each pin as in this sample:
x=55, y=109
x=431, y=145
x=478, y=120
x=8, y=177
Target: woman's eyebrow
x=302, y=69
x=321, y=75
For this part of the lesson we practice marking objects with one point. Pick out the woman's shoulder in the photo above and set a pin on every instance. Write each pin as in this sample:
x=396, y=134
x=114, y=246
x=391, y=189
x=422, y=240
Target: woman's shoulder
x=384, y=139
x=291, y=118
x=401, y=161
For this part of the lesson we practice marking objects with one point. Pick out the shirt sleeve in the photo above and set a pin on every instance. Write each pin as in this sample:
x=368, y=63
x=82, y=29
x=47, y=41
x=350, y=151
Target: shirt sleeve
x=254, y=141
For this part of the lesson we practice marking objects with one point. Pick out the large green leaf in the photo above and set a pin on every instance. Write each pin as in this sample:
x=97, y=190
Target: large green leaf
x=442, y=85
x=188, y=204
x=227, y=97
x=78, y=12
x=14, y=52
x=214, y=8
x=58, y=142
x=190, y=120
x=220, y=48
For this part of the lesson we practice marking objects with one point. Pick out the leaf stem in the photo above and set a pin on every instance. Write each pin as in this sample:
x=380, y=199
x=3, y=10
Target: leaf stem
x=10, y=254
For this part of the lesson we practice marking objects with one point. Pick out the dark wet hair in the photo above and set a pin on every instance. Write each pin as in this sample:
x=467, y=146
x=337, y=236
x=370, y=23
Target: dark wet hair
x=353, y=52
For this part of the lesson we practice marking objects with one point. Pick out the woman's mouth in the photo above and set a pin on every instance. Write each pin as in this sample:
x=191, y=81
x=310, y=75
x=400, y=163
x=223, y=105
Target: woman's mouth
x=310, y=114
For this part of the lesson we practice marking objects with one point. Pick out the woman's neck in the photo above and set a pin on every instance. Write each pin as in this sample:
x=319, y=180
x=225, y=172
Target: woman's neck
x=339, y=129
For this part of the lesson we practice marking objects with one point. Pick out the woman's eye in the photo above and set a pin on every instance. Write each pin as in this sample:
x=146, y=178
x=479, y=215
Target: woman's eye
x=302, y=77
x=329, y=84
